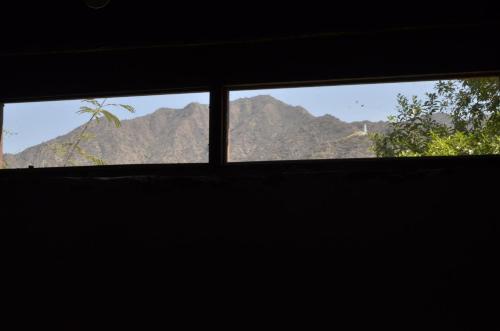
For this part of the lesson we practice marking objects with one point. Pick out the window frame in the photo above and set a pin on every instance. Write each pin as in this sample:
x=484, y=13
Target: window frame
x=219, y=129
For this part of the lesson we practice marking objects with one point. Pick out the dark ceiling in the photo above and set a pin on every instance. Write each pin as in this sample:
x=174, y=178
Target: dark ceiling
x=69, y=25
x=62, y=48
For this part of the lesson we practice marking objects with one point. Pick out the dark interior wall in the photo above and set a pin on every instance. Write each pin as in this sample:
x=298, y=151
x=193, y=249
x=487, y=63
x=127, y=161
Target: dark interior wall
x=406, y=244
x=399, y=244
x=385, y=54
x=68, y=50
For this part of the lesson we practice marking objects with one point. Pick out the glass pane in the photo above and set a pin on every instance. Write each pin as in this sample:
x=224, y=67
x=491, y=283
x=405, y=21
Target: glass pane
x=125, y=130
x=431, y=118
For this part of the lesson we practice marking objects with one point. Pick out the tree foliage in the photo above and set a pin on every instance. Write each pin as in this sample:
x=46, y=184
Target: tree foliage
x=470, y=121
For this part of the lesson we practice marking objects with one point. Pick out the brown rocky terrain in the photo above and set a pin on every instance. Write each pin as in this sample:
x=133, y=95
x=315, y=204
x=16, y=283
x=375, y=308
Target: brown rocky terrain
x=261, y=128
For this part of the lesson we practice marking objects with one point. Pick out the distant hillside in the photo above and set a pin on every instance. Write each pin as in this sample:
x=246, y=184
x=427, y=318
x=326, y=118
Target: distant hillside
x=262, y=128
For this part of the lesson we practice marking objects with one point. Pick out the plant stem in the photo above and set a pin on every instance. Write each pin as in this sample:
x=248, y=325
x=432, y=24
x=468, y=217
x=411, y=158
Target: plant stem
x=79, y=139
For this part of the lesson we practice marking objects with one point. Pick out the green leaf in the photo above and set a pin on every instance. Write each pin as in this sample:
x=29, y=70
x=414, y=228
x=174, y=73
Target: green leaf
x=85, y=109
x=111, y=118
x=93, y=102
x=129, y=108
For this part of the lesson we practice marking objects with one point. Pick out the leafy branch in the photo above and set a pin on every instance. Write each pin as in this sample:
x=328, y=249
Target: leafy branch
x=472, y=109
x=98, y=111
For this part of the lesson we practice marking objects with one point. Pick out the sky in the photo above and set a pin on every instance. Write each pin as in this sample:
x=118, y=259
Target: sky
x=32, y=123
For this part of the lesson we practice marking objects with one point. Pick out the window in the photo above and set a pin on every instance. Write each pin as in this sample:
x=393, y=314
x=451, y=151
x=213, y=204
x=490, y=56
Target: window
x=407, y=119
x=124, y=130
x=429, y=118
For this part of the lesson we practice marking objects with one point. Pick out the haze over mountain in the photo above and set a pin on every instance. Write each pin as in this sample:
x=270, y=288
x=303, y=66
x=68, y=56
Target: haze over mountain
x=261, y=128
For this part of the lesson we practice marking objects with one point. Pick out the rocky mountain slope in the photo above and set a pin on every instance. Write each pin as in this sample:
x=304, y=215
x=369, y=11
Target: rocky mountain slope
x=261, y=128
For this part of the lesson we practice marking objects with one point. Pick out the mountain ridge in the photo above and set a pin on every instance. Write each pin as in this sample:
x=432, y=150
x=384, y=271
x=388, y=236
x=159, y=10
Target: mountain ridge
x=261, y=128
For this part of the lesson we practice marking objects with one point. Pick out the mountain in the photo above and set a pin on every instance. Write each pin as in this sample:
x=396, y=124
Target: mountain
x=261, y=128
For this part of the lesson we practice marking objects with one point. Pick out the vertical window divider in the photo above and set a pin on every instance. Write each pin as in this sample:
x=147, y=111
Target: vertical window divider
x=218, y=126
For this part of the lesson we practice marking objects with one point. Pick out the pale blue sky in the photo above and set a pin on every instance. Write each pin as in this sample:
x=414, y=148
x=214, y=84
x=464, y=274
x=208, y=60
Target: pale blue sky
x=35, y=122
